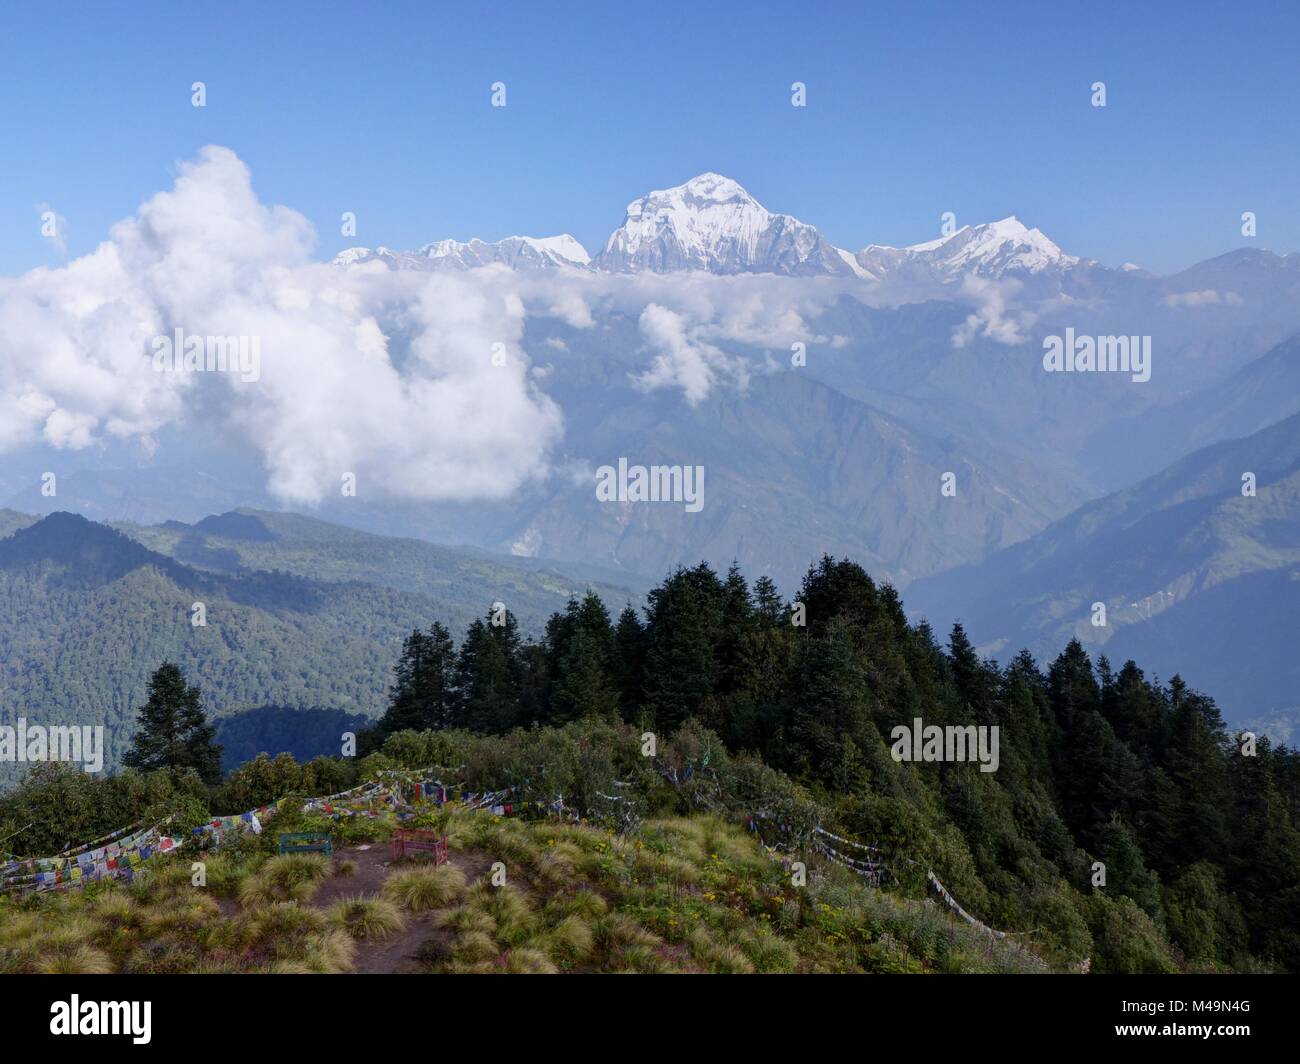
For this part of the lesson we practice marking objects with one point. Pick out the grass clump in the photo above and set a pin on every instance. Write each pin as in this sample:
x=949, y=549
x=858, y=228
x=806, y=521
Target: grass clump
x=366, y=916
x=287, y=877
x=421, y=888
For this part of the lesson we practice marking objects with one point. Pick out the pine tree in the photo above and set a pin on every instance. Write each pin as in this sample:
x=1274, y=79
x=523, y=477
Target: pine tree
x=684, y=617
x=423, y=695
x=535, y=685
x=1126, y=872
x=1134, y=710
x=974, y=680
x=490, y=674
x=830, y=720
x=1026, y=715
x=758, y=715
x=735, y=680
x=1264, y=863
x=768, y=603
x=173, y=731
x=1195, y=763
x=581, y=652
x=582, y=686
x=629, y=662
x=835, y=588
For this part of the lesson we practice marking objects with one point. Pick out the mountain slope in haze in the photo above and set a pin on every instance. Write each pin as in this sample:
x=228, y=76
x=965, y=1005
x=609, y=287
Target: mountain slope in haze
x=11, y=521
x=1265, y=391
x=249, y=539
x=940, y=342
x=87, y=614
x=1195, y=577
x=792, y=469
x=187, y=485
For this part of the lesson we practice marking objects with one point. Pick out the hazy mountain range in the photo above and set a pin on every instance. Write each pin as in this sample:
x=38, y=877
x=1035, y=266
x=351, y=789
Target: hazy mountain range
x=712, y=224
x=1195, y=577
x=299, y=613
x=828, y=394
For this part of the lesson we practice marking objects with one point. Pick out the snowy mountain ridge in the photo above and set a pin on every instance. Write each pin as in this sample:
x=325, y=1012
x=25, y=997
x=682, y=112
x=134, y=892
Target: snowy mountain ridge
x=712, y=224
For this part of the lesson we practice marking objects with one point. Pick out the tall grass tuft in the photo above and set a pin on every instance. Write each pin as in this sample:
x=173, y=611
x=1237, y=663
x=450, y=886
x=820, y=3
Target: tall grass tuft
x=421, y=888
x=366, y=916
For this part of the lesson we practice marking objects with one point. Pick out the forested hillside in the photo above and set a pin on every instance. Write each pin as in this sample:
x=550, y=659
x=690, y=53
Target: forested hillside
x=1197, y=829
x=249, y=539
x=1123, y=829
x=1198, y=568
x=86, y=614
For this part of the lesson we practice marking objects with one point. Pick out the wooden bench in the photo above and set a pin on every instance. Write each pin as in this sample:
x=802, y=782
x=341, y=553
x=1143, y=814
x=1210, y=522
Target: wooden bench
x=307, y=842
x=409, y=842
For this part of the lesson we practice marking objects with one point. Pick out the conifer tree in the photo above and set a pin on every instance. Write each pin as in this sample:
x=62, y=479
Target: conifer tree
x=423, y=695
x=735, y=678
x=582, y=685
x=629, y=662
x=1126, y=872
x=490, y=674
x=974, y=681
x=1196, y=764
x=173, y=731
x=830, y=722
x=684, y=616
x=581, y=655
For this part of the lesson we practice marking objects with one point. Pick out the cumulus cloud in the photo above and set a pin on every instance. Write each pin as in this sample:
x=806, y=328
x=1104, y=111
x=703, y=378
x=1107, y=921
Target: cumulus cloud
x=993, y=316
x=388, y=376
x=1206, y=298
x=416, y=382
x=700, y=331
x=683, y=359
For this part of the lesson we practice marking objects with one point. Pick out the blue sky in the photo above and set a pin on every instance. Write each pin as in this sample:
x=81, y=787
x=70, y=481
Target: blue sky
x=913, y=109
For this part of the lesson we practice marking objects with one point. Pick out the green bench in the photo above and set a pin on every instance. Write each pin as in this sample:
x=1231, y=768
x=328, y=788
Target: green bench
x=307, y=842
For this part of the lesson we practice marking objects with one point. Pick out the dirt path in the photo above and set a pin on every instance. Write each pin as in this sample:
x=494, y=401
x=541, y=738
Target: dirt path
x=399, y=953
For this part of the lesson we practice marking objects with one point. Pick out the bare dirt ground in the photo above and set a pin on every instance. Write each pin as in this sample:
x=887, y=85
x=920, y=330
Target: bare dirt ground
x=399, y=953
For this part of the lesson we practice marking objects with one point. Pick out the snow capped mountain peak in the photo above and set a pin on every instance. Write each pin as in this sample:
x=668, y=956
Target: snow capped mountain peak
x=712, y=223
x=353, y=255
x=562, y=250
x=1009, y=228
x=993, y=249
x=704, y=190
x=517, y=252
x=563, y=247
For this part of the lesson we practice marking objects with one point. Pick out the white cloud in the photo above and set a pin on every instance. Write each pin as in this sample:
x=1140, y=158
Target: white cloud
x=682, y=360
x=993, y=316
x=386, y=375
x=1206, y=298
x=697, y=326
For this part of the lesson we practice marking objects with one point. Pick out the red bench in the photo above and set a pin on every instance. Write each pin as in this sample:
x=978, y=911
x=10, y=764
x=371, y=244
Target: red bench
x=407, y=842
